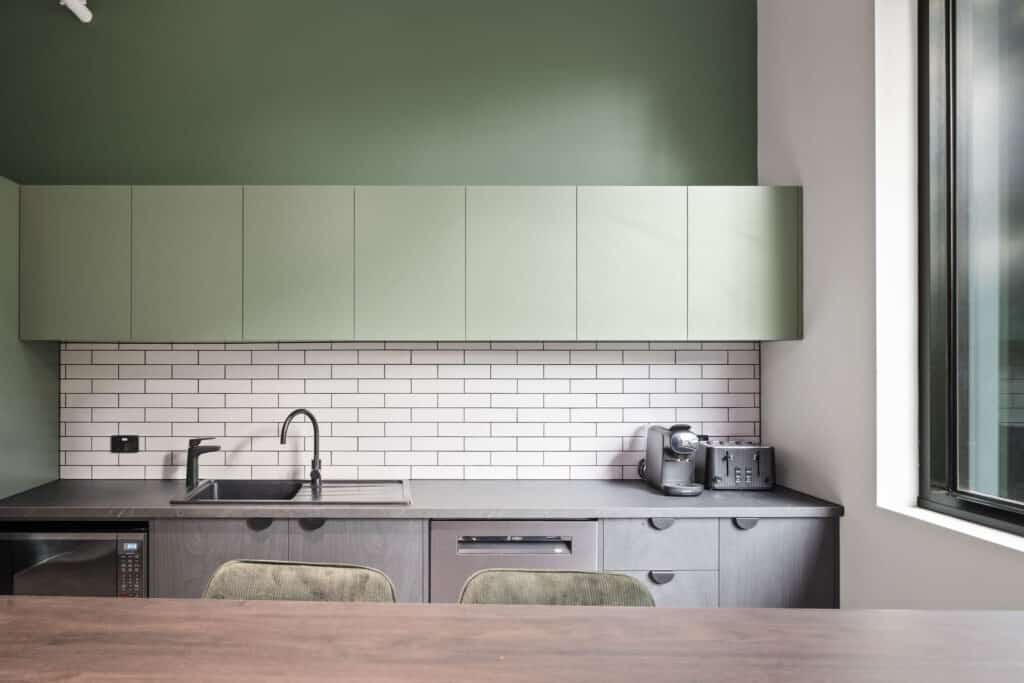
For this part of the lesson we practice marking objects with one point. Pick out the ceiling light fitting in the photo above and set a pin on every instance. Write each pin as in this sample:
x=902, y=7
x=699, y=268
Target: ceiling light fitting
x=79, y=9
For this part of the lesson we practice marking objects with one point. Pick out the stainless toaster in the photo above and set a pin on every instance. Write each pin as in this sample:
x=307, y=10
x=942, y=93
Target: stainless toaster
x=739, y=466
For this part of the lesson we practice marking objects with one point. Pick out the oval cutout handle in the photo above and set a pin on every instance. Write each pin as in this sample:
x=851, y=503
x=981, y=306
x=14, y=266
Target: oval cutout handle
x=745, y=523
x=311, y=524
x=259, y=523
x=661, y=523
x=661, y=578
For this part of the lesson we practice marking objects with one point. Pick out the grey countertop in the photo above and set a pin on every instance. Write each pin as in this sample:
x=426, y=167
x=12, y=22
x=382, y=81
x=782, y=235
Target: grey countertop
x=109, y=499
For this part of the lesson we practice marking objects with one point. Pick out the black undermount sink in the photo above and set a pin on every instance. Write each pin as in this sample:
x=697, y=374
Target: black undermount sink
x=259, y=491
x=242, y=491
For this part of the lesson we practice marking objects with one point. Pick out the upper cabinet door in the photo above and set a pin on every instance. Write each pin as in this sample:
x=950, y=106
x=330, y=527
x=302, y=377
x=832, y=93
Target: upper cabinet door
x=521, y=263
x=410, y=263
x=187, y=263
x=632, y=261
x=298, y=263
x=745, y=265
x=75, y=255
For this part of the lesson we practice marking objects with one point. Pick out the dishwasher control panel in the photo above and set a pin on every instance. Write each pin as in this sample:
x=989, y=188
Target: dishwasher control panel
x=458, y=549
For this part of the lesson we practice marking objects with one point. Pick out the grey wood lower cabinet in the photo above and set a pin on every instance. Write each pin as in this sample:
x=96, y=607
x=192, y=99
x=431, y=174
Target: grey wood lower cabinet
x=779, y=563
x=680, y=589
x=771, y=562
x=660, y=543
x=184, y=553
x=767, y=562
x=394, y=546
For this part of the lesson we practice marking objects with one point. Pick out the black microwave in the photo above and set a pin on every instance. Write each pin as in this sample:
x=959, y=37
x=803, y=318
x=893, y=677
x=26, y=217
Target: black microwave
x=81, y=560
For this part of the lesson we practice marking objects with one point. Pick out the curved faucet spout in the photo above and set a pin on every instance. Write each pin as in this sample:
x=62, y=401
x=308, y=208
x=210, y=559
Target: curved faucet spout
x=314, y=474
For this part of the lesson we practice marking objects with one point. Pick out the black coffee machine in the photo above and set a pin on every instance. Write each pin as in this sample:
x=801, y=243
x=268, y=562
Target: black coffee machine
x=675, y=460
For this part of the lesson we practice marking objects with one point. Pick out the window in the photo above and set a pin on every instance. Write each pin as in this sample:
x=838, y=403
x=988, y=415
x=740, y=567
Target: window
x=972, y=260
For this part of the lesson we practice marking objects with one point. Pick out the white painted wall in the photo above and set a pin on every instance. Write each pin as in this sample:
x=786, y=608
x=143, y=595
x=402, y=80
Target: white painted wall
x=816, y=127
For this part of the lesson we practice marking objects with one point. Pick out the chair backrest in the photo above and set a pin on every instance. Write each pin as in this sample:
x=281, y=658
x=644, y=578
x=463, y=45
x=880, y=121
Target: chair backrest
x=551, y=587
x=268, y=580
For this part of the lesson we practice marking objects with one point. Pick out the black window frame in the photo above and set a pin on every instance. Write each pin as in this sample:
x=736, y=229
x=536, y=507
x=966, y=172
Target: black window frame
x=938, y=488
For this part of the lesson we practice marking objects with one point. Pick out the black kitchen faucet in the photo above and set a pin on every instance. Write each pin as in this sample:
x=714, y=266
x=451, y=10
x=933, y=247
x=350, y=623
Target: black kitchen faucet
x=314, y=474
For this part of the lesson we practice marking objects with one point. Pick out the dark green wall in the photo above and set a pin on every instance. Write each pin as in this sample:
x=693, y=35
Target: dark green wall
x=29, y=392
x=380, y=91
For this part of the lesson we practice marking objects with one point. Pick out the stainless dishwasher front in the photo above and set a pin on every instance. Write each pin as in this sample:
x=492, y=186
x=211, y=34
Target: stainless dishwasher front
x=458, y=549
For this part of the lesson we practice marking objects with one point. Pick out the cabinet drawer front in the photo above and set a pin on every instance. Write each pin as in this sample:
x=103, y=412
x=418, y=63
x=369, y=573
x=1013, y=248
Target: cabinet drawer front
x=184, y=553
x=394, y=546
x=459, y=549
x=796, y=561
x=681, y=589
x=636, y=544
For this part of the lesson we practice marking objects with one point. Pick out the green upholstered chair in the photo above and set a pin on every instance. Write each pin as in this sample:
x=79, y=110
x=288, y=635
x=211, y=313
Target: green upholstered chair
x=548, y=587
x=267, y=580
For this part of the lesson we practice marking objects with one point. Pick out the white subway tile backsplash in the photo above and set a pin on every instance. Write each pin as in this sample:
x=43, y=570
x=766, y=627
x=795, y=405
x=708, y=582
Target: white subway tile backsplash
x=420, y=409
x=596, y=357
x=90, y=371
x=517, y=429
x=294, y=372
x=440, y=357
x=439, y=386
x=472, y=472
x=196, y=400
x=728, y=371
x=559, y=357
x=197, y=371
x=68, y=357
x=226, y=357
x=463, y=371
x=463, y=400
x=114, y=357
x=76, y=386
x=410, y=371
x=570, y=371
x=491, y=357
x=331, y=357
x=144, y=372
x=172, y=357
x=278, y=357
x=517, y=371
x=117, y=414
x=172, y=386
x=225, y=386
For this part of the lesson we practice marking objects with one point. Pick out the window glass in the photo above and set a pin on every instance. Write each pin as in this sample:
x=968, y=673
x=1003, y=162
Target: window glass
x=989, y=247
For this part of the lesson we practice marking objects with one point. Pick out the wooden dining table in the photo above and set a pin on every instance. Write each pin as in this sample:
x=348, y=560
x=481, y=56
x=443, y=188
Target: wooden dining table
x=104, y=639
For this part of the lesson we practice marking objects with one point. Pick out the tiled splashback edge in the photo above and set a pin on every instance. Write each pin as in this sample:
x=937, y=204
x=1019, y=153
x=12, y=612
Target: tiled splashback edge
x=419, y=410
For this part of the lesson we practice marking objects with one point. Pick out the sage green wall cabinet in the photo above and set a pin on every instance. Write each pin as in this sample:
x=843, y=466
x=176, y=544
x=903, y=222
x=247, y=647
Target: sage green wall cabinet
x=187, y=263
x=410, y=263
x=745, y=263
x=75, y=256
x=29, y=450
x=521, y=263
x=298, y=263
x=632, y=260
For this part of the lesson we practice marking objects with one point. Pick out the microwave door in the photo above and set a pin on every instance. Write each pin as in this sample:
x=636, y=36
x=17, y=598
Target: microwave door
x=56, y=564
